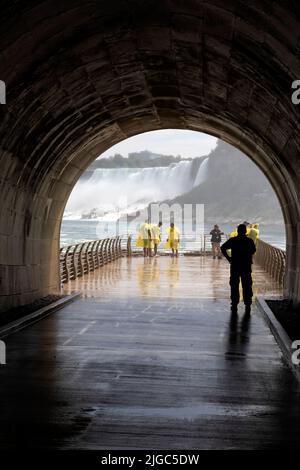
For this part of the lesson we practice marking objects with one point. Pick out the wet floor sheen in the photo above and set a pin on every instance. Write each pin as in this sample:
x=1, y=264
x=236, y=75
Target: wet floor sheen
x=186, y=276
x=149, y=368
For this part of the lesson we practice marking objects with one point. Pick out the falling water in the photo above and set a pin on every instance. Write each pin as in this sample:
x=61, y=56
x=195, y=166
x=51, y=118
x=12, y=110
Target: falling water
x=113, y=191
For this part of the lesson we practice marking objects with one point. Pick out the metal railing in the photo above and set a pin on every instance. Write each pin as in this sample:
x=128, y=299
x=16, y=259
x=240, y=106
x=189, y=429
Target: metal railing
x=193, y=245
x=207, y=245
x=82, y=258
x=271, y=259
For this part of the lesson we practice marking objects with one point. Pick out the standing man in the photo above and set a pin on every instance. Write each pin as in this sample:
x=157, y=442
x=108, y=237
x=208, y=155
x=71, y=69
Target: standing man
x=248, y=227
x=215, y=241
x=242, y=249
x=156, y=234
x=145, y=238
x=173, y=239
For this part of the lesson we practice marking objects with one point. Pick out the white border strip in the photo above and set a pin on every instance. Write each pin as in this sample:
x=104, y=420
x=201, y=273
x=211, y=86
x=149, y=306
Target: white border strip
x=282, y=338
x=36, y=316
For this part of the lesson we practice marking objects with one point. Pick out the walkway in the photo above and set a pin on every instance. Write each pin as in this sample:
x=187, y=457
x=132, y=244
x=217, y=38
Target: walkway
x=183, y=277
x=154, y=360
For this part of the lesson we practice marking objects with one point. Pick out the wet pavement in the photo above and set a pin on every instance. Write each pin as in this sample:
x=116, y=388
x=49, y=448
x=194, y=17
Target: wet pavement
x=147, y=367
x=183, y=277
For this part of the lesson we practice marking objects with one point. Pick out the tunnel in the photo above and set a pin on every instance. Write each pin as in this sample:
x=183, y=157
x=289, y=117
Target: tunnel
x=84, y=75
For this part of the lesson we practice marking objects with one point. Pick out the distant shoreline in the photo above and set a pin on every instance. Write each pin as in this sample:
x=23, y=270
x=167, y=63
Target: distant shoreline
x=209, y=220
x=238, y=221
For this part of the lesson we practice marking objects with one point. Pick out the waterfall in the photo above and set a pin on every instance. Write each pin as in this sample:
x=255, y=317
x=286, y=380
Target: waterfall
x=202, y=173
x=115, y=190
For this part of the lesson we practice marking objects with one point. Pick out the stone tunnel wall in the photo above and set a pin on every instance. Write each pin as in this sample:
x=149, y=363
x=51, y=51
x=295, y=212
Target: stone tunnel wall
x=83, y=75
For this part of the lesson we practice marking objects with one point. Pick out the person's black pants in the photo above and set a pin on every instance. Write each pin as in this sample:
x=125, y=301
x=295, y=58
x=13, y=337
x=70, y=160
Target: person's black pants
x=243, y=275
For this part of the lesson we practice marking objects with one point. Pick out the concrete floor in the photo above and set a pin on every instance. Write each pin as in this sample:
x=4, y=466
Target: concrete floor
x=183, y=277
x=153, y=361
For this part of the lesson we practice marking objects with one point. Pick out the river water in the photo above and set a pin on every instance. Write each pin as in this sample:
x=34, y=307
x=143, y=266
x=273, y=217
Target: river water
x=76, y=231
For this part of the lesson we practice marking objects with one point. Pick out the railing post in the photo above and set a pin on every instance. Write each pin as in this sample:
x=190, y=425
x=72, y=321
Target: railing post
x=91, y=256
x=120, y=254
x=86, y=258
x=71, y=262
x=282, y=266
x=75, y=261
x=113, y=249
x=129, y=248
x=100, y=253
x=63, y=267
x=110, y=250
x=105, y=251
x=116, y=248
x=96, y=258
x=80, y=261
x=67, y=270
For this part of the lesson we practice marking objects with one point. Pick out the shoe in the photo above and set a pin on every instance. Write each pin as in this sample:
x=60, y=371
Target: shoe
x=234, y=308
x=214, y=257
x=219, y=257
x=247, y=309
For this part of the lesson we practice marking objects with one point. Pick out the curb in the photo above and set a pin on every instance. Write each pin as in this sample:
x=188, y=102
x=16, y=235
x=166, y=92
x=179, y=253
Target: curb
x=282, y=338
x=36, y=316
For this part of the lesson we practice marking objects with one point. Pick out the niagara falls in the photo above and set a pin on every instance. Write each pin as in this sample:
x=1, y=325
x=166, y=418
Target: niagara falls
x=110, y=192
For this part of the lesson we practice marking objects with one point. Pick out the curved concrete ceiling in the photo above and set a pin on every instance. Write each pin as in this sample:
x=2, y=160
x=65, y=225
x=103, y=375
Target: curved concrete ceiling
x=83, y=75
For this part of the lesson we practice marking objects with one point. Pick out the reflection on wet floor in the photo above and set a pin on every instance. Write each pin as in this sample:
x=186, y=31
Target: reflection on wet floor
x=151, y=358
x=147, y=373
x=183, y=277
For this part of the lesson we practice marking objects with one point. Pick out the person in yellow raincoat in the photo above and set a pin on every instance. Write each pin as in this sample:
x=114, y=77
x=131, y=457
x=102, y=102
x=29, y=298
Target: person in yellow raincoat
x=234, y=233
x=253, y=233
x=173, y=239
x=144, y=239
x=156, y=235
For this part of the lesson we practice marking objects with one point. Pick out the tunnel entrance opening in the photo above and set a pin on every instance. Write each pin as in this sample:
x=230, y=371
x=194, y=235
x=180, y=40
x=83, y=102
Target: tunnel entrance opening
x=156, y=173
x=134, y=181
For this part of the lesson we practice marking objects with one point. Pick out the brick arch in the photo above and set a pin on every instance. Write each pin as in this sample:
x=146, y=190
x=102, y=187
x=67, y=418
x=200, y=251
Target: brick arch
x=83, y=75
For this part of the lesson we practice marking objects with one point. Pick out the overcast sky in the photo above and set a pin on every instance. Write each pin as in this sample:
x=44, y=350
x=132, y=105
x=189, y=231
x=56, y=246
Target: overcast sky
x=167, y=142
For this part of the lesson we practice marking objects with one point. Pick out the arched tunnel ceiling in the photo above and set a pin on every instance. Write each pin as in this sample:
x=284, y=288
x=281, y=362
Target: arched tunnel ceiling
x=83, y=75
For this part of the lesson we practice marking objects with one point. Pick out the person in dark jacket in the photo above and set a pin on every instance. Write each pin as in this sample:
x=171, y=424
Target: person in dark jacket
x=242, y=250
x=216, y=235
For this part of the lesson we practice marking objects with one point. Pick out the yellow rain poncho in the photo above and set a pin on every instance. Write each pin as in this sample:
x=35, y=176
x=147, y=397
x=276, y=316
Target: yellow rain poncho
x=156, y=234
x=173, y=238
x=139, y=241
x=143, y=239
x=253, y=233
